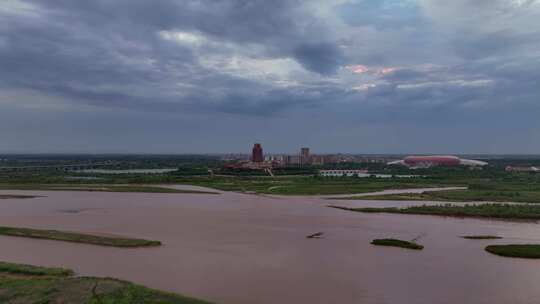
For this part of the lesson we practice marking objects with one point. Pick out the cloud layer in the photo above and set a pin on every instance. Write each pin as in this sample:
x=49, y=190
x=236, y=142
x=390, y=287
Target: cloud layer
x=343, y=75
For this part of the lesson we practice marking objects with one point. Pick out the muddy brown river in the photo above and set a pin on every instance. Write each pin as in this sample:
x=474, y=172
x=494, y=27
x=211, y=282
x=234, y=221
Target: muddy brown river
x=246, y=249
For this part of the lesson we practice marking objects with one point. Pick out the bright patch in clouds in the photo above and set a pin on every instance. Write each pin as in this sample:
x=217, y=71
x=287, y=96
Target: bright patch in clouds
x=276, y=71
x=477, y=83
x=184, y=38
x=364, y=87
x=16, y=7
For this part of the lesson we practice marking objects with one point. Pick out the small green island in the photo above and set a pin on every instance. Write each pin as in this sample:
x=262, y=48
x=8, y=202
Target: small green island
x=77, y=237
x=16, y=196
x=135, y=188
x=497, y=211
x=397, y=243
x=481, y=237
x=527, y=251
x=32, y=284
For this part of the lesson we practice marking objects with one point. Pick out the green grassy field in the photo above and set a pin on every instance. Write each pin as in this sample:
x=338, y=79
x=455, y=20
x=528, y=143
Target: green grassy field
x=308, y=185
x=498, y=211
x=527, y=251
x=492, y=184
x=98, y=188
x=471, y=195
x=77, y=237
x=397, y=243
x=33, y=270
x=264, y=185
x=39, y=285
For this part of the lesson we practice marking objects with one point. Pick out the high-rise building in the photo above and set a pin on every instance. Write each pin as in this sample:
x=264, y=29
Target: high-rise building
x=293, y=160
x=317, y=160
x=304, y=156
x=257, y=154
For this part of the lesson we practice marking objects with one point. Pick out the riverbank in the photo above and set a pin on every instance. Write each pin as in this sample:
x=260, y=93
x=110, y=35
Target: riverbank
x=279, y=185
x=74, y=237
x=494, y=211
x=33, y=284
x=458, y=195
x=100, y=188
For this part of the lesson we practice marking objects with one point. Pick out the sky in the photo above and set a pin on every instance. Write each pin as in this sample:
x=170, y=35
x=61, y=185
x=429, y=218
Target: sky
x=215, y=76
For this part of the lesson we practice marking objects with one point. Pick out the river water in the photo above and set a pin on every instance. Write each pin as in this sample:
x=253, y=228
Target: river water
x=236, y=248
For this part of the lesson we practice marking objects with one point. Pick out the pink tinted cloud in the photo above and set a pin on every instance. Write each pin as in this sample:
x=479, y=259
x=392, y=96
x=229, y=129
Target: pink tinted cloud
x=378, y=71
x=359, y=69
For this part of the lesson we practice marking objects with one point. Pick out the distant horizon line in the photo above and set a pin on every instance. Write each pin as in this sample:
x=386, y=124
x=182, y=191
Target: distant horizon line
x=247, y=153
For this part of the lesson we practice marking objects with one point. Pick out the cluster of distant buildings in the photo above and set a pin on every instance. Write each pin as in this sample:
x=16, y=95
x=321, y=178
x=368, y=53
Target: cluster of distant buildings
x=304, y=157
x=258, y=160
x=358, y=173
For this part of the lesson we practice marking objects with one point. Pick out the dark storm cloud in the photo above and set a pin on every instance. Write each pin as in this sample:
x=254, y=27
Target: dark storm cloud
x=236, y=20
x=74, y=48
x=110, y=52
x=323, y=58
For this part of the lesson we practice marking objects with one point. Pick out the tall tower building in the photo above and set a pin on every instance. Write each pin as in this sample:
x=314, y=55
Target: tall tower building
x=304, y=156
x=257, y=154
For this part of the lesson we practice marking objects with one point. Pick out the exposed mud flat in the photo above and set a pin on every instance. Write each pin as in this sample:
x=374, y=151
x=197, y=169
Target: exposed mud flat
x=12, y=196
x=238, y=249
x=82, y=210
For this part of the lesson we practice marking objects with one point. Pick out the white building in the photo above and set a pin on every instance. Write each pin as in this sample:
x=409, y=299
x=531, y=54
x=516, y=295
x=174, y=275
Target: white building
x=360, y=173
x=340, y=173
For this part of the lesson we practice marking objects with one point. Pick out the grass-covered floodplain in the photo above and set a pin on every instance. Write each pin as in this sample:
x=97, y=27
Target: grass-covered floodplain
x=98, y=188
x=33, y=284
x=491, y=184
x=305, y=184
x=33, y=270
x=497, y=211
x=298, y=185
x=302, y=185
x=77, y=237
x=481, y=237
x=528, y=251
x=397, y=243
x=470, y=195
